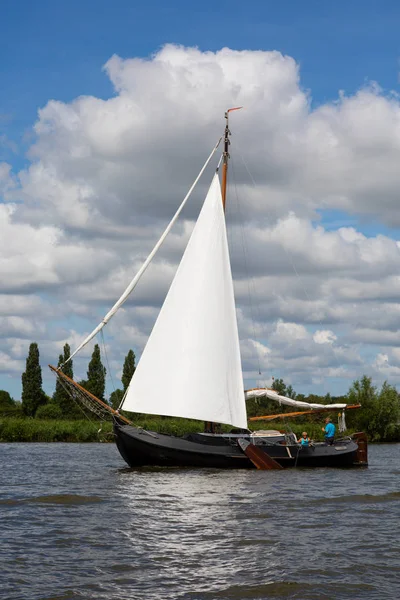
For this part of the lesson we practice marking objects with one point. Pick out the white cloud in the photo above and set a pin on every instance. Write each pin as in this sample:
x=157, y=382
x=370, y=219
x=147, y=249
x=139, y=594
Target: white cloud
x=105, y=175
x=324, y=337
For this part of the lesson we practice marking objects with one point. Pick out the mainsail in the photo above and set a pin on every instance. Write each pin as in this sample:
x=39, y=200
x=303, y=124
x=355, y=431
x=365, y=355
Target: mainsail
x=191, y=364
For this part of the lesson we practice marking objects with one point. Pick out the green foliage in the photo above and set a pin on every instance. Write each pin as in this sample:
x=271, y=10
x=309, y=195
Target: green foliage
x=379, y=416
x=49, y=411
x=290, y=393
x=116, y=398
x=387, y=418
x=8, y=406
x=61, y=397
x=96, y=375
x=257, y=407
x=32, y=393
x=5, y=399
x=129, y=369
x=40, y=430
x=380, y=413
x=279, y=386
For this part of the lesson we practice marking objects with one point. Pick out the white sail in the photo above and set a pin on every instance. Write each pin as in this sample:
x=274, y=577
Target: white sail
x=146, y=263
x=273, y=395
x=191, y=364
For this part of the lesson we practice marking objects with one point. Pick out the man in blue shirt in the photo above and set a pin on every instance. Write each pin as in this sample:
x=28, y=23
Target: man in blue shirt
x=329, y=430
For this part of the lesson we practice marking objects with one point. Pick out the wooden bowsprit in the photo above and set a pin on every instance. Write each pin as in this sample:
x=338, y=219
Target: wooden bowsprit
x=86, y=399
x=260, y=459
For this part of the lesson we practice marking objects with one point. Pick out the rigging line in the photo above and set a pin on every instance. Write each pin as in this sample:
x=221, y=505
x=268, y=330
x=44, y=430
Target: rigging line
x=288, y=255
x=245, y=255
x=297, y=455
x=107, y=361
x=146, y=263
x=79, y=405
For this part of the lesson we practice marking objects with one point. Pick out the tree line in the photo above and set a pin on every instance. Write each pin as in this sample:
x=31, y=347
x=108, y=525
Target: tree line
x=36, y=403
x=379, y=416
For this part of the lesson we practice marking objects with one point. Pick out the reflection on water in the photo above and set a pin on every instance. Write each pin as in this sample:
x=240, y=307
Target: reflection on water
x=76, y=523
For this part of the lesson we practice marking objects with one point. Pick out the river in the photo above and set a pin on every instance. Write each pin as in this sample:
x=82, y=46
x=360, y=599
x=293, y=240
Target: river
x=76, y=523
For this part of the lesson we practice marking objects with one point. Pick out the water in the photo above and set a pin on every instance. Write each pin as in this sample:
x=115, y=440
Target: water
x=75, y=523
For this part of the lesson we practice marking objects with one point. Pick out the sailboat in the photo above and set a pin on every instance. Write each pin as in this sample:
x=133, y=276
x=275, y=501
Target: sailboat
x=191, y=365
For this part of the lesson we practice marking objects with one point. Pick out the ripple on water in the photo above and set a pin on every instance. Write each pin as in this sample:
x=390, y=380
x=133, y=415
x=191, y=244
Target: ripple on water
x=360, y=498
x=66, y=499
x=295, y=590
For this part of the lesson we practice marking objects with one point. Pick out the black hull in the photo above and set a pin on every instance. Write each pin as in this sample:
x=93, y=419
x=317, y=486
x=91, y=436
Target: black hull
x=142, y=448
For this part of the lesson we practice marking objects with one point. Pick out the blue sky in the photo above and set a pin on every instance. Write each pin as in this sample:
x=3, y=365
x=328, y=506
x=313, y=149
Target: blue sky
x=51, y=49
x=56, y=50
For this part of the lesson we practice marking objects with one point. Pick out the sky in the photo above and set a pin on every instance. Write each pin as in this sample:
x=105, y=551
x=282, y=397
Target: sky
x=107, y=113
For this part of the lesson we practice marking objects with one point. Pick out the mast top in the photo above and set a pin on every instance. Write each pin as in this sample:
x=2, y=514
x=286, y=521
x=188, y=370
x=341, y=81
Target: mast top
x=226, y=155
x=231, y=109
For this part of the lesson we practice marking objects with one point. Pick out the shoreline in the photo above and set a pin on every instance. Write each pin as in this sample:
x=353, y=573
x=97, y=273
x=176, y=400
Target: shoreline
x=27, y=430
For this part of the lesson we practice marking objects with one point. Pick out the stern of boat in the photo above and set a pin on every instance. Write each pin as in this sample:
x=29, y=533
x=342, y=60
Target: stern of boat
x=361, y=459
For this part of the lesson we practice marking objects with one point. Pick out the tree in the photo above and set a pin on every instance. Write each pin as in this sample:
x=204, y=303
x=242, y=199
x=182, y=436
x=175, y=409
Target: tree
x=61, y=397
x=8, y=406
x=129, y=369
x=50, y=411
x=279, y=386
x=290, y=393
x=5, y=399
x=116, y=398
x=96, y=375
x=380, y=412
x=386, y=423
x=361, y=392
x=32, y=392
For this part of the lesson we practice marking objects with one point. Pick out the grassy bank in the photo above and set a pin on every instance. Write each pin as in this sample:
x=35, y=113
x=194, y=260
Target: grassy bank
x=37, y=430
x=14, y=429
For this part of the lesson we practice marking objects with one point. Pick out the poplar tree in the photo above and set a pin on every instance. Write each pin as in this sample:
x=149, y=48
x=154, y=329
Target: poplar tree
x=128, y=369
x=33, y=395
x=61, y=397
x=96, y=375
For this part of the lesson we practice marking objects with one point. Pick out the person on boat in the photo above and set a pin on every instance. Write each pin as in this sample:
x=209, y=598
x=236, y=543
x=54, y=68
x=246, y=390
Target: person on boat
x=329, y=430
x=304, y=440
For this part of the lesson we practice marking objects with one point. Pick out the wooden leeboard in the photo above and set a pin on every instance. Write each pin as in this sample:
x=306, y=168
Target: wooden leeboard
x=260, y=459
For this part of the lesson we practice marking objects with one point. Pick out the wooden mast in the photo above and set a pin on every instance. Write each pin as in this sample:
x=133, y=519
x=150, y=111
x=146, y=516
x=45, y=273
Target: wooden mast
x=226, y=155
x=209, y=426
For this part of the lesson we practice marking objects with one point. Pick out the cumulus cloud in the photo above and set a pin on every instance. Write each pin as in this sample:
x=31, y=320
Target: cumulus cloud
x=105, y=175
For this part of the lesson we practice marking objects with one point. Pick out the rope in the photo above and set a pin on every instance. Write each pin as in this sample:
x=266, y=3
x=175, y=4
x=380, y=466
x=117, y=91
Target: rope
x=80, y=403
x=297, y=456
x=108, y=364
